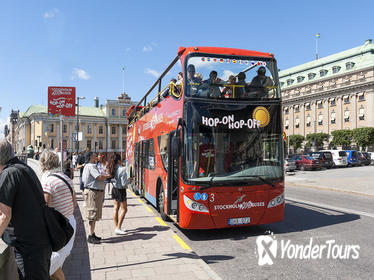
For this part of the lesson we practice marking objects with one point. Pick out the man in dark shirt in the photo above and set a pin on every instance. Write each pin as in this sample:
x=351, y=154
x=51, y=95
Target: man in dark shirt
x=21, y=217
x=80, y=165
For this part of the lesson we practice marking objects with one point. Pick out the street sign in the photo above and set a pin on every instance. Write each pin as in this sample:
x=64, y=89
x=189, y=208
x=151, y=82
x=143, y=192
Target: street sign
x=80, y=136
x=61, y=101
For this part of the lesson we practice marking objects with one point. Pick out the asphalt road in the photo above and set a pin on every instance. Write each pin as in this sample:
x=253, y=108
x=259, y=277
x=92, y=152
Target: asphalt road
x=322, y=217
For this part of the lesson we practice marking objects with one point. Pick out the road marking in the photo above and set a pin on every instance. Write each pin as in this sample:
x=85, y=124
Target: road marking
x=140, y=201
x=161, y=222
x=148, y=209
x=340, y=209
x=181, y=242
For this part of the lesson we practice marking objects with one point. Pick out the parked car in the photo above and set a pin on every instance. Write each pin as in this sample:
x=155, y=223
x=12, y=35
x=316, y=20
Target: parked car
x=339, y=157
x=352, y=158
x=304, y=162
x=289, y=165
x=324, y=157
x=365, y=158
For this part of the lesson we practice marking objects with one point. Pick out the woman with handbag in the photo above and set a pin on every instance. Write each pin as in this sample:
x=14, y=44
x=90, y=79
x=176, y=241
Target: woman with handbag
x=59, y=194
x=119, y=195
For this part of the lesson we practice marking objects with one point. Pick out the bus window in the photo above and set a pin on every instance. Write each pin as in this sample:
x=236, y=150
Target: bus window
x=151, y=154
x=163, y=148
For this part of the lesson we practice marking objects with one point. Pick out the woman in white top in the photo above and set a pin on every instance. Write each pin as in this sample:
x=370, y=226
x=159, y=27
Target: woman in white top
x=119, y=191
x=59, y=196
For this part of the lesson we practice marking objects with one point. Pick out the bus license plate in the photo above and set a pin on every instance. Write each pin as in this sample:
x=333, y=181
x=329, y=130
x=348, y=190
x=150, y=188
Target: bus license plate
x=239, y=221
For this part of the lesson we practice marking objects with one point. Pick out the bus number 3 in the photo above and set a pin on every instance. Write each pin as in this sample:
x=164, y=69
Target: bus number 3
x=211, y=197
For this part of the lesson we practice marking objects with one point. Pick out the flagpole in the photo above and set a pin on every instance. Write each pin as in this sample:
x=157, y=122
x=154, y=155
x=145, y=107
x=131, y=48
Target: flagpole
x=123, y=69
x=317, y=36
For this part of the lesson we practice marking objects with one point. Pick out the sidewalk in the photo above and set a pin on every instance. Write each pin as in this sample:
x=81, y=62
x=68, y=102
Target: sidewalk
x=149, y=250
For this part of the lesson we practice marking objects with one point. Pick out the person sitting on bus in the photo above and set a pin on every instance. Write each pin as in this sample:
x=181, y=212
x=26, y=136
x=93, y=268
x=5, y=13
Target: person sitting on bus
x=229, y=90
x=167, y=91
x=240, y=91
x=192, y=79
x=261, y=82
x=210, y=87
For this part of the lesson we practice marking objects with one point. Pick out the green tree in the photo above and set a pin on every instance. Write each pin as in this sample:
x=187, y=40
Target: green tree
x=296, y=140
x=318, y=138
x=342, y=137
x=363, y=136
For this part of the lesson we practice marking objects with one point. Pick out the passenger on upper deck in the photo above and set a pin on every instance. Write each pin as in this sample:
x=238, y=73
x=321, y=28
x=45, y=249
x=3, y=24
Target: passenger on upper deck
x=240, y=91
x=192, y=79
x=260, y=82
x=211, y=86
x=229, y=90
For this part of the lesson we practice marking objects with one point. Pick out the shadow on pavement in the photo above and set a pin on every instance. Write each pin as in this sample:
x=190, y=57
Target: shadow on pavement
x=128, y=237
x=78, y=263
x=208, y=259
x=298, y=217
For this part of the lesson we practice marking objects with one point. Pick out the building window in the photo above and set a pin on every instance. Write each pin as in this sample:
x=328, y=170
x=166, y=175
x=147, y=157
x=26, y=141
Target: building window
x=346, y=99
x=52, y=143
x=332, y=102
x=101, y=129
x=319, y=104
x=124, y=144
x=297, y=122
x=361, y=113
x=65, y=128
x=300, y=79
x=64, y=143
x=289, y=82
x=113, y=144
x=113, y=130
x=286, y=110
x=322, y=73
x=89, y=143
x=349, y=65
x=361, y=96
x=282, y=83
x=307, y=106
x=113, y=111
x=346, y=115
x=320, y=119
x=297, y=109
x=51, y=127
x=335, y=69
x=89, y=129
x=311, y=76
x=101, y=144
x=308, y=121
x=333, y=117
x=124, y=112
x=286, y=123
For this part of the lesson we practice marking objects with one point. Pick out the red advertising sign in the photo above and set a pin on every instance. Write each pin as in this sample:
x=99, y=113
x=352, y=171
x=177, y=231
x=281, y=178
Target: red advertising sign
x=61, y=101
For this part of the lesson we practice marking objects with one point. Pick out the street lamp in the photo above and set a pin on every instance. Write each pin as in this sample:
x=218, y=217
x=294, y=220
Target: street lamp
x=77, y=142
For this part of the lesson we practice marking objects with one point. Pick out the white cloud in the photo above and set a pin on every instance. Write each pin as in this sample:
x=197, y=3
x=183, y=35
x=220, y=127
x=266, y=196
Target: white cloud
x=152, y=72
x=51, y=13
x=227, y=74
x=147, y=48
x=80, y=74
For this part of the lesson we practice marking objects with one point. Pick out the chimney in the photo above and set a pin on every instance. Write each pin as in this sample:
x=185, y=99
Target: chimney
x=96, y=101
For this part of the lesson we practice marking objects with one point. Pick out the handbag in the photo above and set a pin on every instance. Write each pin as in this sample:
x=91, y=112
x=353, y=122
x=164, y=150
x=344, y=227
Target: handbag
x=58, y=227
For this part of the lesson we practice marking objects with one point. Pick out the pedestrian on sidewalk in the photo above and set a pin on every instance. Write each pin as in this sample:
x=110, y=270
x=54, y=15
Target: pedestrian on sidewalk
x=119, y=195
x=80, y=165
x=21, y=216
x=59, y=194
x=93, y=194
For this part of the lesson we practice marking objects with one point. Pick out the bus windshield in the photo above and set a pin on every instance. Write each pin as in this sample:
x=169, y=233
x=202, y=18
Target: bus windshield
x=225, y=145
x=220, y=77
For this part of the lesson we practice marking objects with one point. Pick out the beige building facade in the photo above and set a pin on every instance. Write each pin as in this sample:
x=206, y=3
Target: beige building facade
x=101, y=128
x=332, y=93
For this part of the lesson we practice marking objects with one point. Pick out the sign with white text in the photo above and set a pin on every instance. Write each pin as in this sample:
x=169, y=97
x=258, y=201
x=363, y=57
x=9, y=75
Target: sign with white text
x=61, y=101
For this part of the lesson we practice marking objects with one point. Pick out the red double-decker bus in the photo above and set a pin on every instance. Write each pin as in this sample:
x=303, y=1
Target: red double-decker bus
x=207, y=149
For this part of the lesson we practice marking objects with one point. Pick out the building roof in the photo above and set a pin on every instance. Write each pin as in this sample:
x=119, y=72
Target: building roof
x=83, y=111
x=361, y=57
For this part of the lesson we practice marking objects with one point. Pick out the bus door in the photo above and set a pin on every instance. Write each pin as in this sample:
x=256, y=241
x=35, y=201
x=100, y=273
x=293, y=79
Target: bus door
x=142, y=164
x=173, y=180
x=137, y=166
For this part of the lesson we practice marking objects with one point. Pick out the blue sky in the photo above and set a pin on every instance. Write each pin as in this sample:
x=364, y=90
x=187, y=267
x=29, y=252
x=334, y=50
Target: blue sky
x=86, y=43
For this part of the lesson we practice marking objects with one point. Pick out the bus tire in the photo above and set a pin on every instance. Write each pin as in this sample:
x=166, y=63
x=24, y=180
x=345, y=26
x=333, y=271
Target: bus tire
x=161, y=205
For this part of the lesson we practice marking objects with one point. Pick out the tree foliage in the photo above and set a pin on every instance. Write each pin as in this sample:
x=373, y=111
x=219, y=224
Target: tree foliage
x=296, y=140
x=342, y=137
x=318, y=138
x=363, y=136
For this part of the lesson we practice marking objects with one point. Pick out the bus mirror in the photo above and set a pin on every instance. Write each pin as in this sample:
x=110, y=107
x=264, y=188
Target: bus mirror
x=175, y=147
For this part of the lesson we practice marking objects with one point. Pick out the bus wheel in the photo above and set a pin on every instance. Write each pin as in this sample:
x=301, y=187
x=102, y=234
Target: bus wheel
x=161, y=205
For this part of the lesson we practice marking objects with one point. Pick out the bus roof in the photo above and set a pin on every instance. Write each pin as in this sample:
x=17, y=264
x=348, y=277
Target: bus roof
x=182, y=51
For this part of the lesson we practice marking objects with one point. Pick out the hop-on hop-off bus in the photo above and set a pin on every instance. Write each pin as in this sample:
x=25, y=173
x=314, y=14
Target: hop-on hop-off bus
x=206, y=149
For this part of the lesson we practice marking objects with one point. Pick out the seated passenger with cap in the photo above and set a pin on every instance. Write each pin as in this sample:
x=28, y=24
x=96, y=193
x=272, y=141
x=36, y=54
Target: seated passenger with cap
x=260, y=83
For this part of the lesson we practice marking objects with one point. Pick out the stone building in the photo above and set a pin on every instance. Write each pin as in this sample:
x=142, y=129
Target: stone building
x=331, y=93
x=101, y=127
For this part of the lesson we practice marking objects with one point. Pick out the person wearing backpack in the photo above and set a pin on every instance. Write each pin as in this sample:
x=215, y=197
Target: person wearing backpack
x=22, y=223
x=59, y=194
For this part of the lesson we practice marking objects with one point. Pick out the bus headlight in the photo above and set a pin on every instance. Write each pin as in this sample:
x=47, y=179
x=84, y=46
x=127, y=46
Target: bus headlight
x=194, y=206
x=276, y=201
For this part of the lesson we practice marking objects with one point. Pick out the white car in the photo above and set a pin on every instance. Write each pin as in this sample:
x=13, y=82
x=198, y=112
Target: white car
x=339, y=157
